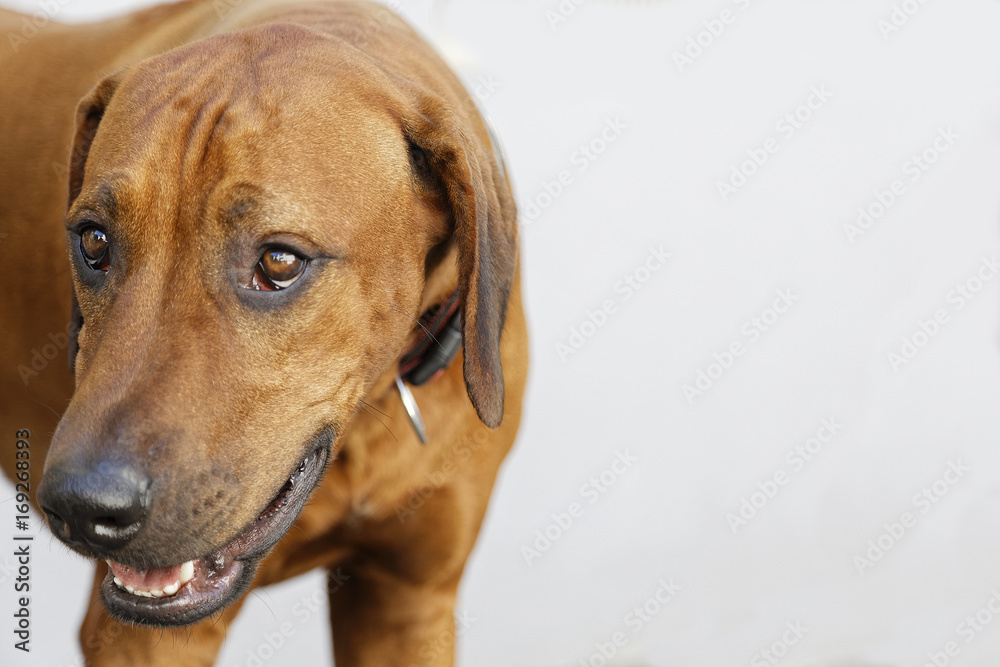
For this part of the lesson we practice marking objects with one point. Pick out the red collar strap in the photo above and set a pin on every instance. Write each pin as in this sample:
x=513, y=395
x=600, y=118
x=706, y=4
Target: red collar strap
x=442, y=339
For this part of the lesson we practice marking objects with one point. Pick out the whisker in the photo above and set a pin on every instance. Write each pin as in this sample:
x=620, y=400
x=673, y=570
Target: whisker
x=265, y=603
x=46, y=405
x=374, y=408
x=419, y=324
x=365, y=406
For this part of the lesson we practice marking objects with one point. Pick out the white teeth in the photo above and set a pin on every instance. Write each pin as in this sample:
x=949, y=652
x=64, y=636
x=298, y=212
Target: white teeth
x=187, y=574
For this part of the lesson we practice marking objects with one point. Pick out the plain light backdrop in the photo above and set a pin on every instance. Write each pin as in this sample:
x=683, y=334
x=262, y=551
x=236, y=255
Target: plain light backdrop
x=792, y=419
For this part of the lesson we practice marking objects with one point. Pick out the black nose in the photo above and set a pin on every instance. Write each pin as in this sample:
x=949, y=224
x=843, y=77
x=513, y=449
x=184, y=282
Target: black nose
x=99, y=509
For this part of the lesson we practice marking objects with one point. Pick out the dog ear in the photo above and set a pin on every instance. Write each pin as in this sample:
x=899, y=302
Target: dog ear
x=89, y=113
x=485, y=233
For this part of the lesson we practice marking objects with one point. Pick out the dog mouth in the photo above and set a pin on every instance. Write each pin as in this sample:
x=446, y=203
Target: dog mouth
x=188, y=592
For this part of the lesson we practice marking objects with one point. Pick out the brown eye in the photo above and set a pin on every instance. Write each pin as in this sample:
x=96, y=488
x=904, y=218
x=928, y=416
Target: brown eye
x=277, y=269
x=94, y=246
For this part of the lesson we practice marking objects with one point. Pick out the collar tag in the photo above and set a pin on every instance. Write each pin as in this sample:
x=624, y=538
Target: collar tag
x=412, y=411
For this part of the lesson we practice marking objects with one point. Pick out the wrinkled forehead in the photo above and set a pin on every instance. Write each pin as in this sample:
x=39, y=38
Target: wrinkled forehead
x=264, y=118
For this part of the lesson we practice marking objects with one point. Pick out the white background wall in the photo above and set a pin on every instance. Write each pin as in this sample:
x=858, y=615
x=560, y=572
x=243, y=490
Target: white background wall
x=552, y=87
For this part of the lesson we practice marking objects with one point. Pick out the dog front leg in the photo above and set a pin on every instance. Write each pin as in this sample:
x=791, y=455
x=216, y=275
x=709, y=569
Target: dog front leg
x=381, y=620
x=107, y=642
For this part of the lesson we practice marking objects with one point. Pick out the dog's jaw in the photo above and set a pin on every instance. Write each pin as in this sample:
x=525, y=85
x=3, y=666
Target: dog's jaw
x=188, y=592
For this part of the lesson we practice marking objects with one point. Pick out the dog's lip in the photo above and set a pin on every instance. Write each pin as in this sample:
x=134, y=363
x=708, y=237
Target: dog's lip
x=220, y=577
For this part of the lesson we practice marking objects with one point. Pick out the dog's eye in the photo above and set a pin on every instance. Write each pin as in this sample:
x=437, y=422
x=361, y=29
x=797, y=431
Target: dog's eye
x=277, y=269
x=94, y=246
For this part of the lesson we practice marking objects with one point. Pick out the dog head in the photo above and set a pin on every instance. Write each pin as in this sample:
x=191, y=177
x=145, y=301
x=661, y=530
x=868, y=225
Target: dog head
x=256, y=221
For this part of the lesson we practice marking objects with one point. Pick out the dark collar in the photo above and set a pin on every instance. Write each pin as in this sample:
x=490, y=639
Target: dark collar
x=442, y=339
x=427, y=359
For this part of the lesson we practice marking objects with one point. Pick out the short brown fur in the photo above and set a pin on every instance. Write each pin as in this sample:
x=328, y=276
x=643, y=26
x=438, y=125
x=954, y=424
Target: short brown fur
x=196, y=131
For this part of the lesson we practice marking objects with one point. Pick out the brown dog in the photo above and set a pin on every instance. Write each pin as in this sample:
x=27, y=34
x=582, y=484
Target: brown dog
x=270, y=206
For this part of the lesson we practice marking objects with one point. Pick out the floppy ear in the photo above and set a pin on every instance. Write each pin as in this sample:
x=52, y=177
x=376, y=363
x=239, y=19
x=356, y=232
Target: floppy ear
x=89, y=113
x=485, y=233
